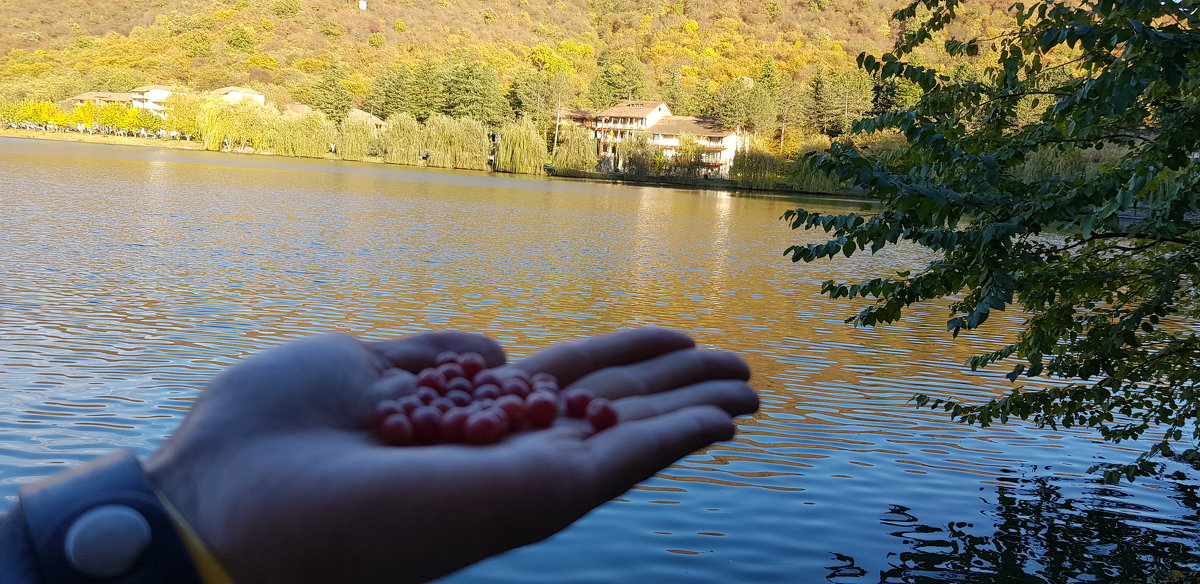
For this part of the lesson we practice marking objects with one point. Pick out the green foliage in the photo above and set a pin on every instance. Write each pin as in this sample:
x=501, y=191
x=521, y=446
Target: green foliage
x=402, y=140
x=307, y=135
x=620, y=77
x=212, y=124
x=576, y=151
x=637, y=155
x=87, y=114
x=755, y=166
x=286, y=8
x=399, y=26
x=840, y=99
x=456, y=143
x=538, y=95
x=354, y=138
x=688, y=159
x=746, y=105
x=1103, y=264
x=241, y=38
x=375, y=39
x=520, y=148
x=183, y=112
x=331, y=97
x=472, y=90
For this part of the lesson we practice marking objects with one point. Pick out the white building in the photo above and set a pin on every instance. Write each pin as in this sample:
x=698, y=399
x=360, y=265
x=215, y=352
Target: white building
x=235, y=94
x=719, y=143
x=615, y=124
x=151, y=97
x=102, y=98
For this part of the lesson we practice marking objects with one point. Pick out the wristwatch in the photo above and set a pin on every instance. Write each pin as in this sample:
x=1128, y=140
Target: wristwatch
x=100, y=523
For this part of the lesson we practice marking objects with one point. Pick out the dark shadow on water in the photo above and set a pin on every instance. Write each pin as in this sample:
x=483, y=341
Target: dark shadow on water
x=1040, y=536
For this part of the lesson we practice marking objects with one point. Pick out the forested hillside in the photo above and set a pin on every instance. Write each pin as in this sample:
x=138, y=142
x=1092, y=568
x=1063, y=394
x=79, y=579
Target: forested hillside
x=54, y=50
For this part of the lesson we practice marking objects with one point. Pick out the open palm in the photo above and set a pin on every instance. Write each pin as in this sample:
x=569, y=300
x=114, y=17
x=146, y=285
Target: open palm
x=278, y=471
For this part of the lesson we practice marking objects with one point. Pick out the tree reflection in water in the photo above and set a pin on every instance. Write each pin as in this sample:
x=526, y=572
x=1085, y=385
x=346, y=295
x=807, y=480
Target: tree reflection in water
x=1041, y=536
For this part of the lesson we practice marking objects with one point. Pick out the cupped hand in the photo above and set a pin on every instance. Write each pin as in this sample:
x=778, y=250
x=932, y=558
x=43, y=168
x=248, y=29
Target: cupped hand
x=277, y=469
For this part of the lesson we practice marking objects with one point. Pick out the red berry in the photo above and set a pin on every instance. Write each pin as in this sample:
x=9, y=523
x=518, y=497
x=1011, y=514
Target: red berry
x=541, y=408
x=600, y=414
x=409, y=403
x=443, y=404
x=453, y=426
x=487, y=391
x=459, y=397
x=426, y=394
x=483, y=428
x=472, y=364
x=396, y=430
x=506, y=423
x=488, y=376
x=385, y=408
x=446, y=357
x=460, y=384
x=514, y=406
x=426, y=423
x=431, y=378
x=481, y=404
x=450, y=371
x=577, y=401
x=515, y=386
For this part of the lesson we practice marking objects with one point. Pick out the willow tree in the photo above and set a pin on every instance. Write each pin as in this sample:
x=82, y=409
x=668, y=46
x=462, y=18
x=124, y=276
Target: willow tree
x=354, y=138
x=1105, y=268
x=520, y=148
x=688, y=159
x=250, y=124
x=576, y=151
x=755, y=166
x=401, y=139
x=213, y=126
x=307, y=135
x=456, y=143
x=637, y=155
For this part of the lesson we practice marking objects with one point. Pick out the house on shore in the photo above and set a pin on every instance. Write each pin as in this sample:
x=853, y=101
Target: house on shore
x=616, y=124
x=152, y=98
x=234, y=94
x=103, y=98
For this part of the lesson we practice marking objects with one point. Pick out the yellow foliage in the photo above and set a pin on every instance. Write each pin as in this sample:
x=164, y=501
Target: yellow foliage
x=222, y=16
x=310, y=65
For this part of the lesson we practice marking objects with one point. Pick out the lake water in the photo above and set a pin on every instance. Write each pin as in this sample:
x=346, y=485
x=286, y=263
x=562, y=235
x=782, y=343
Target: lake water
x=132, y=275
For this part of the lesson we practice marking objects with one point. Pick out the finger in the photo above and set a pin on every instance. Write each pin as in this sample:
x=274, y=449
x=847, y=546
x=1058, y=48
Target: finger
x=419, y=351
x=665, y=372
x=734, y=397
x=631, y=452
x=570, y=361
x=394, y=383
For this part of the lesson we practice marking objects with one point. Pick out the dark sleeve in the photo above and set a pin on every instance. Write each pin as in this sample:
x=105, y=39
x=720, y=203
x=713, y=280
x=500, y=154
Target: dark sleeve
x=16, y=557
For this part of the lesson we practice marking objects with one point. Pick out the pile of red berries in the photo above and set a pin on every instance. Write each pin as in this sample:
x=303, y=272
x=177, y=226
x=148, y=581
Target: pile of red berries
x=460, y=400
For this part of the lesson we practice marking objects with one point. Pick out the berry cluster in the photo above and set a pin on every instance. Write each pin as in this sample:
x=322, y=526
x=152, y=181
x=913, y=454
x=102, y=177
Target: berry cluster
x=460, y=400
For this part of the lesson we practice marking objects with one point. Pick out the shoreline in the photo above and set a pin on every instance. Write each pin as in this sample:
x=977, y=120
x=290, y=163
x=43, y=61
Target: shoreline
x=660, y=181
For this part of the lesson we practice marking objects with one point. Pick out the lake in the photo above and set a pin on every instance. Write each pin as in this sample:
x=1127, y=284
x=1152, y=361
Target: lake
x=132, y=275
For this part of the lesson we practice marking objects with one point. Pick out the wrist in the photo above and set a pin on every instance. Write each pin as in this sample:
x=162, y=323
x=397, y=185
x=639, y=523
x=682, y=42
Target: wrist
x=102, y=522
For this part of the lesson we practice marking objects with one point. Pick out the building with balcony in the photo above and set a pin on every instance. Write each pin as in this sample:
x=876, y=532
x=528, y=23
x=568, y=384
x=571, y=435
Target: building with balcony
x=103, y=98
x=616, y=124
x=152, y=98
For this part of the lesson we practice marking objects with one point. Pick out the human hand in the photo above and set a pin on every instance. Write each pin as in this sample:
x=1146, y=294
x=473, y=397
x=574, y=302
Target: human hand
x=277, y=469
